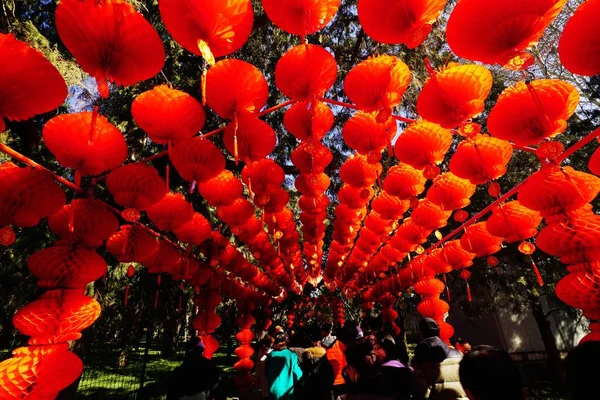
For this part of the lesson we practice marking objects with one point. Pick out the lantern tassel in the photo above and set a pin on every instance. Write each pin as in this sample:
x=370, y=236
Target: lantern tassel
x=537, y=273
x=126, y=295
x=203, y=86
x=235, y=139
x=469, y=297
x=92, y=133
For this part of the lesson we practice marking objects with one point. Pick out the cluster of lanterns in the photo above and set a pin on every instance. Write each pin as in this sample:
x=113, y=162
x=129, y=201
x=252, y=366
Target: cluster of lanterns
x=372, y=231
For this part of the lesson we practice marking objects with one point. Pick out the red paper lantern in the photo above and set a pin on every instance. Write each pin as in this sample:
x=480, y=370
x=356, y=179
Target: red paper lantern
x=378, y=83
x=513, y=222
x=433, y=308
x=64, y=266
x=235, y=87
x=357, y=172
x=236, y=213
x=557, y=191
x=308, y=120
x=171, y=212
x=195, y=231
x=528, y=113
x=429, y=287
x=423, y=144
x=263, y=177
x=27, y=195
x=84, y=221
x=400, y=22
x=481, y=159
x=575, y=241
x=455, y=256
x=312, y=184
x=430, y=216
x=450, y=192
x=164, y=259
x=301, y=18
x=579, y=40
x=581, y=289
x=118, y=44
x=85, y=141
x=305, y=72
x=132, y=244
x=250, y=139
x=136, y=185
x=38, y=372
x=389, y=207
x=404, y=182
x=197, y=159
x=168, y=115
x=57, y=316
x=436, y=262
x=355, y=197
x=367, y=136
x=210, y=28
x=30, y=84
x=478, y=240
x=491, y=40
x=221, y=190
x=311, y=157
x=454, y=95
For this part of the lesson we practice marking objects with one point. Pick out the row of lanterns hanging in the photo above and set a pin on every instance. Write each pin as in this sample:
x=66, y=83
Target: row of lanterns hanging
x=525, y=114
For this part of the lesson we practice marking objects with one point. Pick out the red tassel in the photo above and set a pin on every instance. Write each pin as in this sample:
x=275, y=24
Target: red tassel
x=203, y=86
x=447, y=289
x=179, y=306
x=156, y=299
x=235, y=139
x=126, y=296
x=102, y=83
x=537, y=273
x=469, y=297
x=168, y=174
x=77, y=178
x=428, y=66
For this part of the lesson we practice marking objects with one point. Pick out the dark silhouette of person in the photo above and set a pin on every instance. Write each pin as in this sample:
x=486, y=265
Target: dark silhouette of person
x=197, y=378
x=583, y=369
x=487, y=373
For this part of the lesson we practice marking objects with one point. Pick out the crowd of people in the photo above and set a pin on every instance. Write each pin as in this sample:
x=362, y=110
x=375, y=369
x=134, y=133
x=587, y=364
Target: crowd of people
x=371, y=363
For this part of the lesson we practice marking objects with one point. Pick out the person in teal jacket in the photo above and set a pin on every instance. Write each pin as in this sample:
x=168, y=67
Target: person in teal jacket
x=282, y=369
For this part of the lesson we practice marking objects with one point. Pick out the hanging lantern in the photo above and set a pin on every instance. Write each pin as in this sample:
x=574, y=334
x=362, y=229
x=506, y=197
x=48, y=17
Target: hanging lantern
x=404, y=182
x=171, y=212
x=579, y=40
x=357, y=172
x=433, y=307
x=576, y=241
x=250, y=140
x=85, y=141
x=455, y=256
x=378, y=84
x=263, y=177
x=466, y=274
x=132, y=244
x=235, y=87
x=513, y=222
x=163, y=260
x=461, y=216
x=221, y=190
x=581, y=289
x=210, y=28
x=38, y=372
x=236, y=213
x=136, y=186
x=167, y=115
x=450, y=192
x=302, y=18
x=423, y=144
x=481, y=159
x=389, y=207
x=312, y=184
x=436, y=262
x=120, y=46
x=305, y=72
x=57, y=316
x=197, y=159
x=368, y=136
x=491, y=40
x=84, y=221
x=557, y=191
x=492, y=261
x=64, y=266
x=195, y=231
x=455, y=94
x=27, y=195
x=30, y=83
x=311, y=157
x=308, y=120
x=528, y=113
x=430, y=216
x=399, y=22
x=478, y=240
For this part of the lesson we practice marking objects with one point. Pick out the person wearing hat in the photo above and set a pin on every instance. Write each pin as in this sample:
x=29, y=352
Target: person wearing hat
x=436, y=366
x=197, y=378
x=282, y=370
